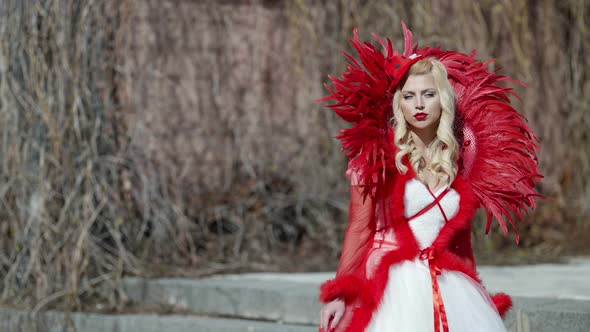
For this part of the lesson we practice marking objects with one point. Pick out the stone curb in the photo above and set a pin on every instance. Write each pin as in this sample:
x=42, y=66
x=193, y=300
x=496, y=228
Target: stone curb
x=548, y=315
x=282, y=301
x=51, y=321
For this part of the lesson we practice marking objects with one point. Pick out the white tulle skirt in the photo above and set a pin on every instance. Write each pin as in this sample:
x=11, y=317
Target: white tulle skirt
x=407, y=302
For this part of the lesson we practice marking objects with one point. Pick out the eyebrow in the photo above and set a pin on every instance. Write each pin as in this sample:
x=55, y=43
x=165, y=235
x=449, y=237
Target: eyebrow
x=423, y=91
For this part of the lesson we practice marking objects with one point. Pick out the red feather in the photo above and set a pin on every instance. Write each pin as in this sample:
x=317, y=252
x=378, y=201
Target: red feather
x=504, y=166
x=499, y=149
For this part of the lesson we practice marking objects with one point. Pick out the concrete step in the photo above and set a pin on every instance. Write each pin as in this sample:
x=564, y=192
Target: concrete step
x=548, y=297
x=548, y=315
x=51, y=321
x=277, y=297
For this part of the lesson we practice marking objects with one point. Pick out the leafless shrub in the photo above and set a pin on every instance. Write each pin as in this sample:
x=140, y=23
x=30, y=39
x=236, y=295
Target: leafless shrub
x=61, y=167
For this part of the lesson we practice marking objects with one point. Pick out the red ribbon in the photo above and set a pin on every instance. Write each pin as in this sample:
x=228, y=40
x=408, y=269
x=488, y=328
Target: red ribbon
x=431, y=204
x=440, y=315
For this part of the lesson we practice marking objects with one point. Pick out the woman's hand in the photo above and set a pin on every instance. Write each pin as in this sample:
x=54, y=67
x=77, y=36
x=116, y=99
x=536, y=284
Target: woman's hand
x=331, y=309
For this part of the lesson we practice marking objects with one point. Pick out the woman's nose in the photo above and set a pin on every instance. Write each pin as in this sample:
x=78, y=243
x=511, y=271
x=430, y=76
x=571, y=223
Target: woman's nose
x=419, y=104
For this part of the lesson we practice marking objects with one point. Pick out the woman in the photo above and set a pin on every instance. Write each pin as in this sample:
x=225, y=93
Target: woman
x=407, y=262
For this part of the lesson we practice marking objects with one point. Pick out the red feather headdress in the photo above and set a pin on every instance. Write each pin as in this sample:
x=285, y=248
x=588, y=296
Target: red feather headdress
x=498, y=154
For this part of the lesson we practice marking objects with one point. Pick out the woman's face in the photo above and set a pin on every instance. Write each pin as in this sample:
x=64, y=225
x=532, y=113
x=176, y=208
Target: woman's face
x=420, y=103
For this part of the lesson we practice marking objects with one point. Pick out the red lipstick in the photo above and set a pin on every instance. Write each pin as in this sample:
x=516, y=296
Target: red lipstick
x=420, y=116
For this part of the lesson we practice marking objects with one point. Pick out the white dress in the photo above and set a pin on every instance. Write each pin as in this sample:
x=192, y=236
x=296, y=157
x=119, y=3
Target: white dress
x=407, y=301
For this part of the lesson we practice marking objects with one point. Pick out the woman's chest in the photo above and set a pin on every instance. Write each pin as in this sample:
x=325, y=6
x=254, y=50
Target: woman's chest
x=427, y=212
x=420, y=202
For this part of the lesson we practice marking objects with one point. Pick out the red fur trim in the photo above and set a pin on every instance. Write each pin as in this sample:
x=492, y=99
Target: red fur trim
x=467, y=208
x=455, y=227
x=371, y=291
x=503, y=303
x=346, y=287
x=360, y=320
x=396, y=207
x=450, y=261
x=375, y=287
x=461, y=246
x=408, y=249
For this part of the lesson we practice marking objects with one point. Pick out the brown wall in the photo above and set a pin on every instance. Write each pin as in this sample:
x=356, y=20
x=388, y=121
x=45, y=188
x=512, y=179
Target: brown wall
x=227, y=89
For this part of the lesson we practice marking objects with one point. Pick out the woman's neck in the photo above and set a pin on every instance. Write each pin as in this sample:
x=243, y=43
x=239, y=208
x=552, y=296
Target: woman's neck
x=422, y=138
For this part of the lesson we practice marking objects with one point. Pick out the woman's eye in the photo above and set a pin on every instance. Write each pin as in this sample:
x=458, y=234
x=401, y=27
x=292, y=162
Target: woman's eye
x=430, y=94
x=407, y=97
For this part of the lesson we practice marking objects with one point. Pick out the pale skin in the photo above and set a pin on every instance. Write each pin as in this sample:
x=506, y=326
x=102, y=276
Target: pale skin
x=419, y=95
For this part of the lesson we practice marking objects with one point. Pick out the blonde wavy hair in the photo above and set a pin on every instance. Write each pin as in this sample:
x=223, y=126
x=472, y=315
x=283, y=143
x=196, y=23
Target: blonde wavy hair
x=443, y=150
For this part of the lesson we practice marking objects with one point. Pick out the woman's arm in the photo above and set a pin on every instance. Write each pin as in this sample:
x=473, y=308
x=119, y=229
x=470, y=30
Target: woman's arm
x=357, y=241
x=358, y=234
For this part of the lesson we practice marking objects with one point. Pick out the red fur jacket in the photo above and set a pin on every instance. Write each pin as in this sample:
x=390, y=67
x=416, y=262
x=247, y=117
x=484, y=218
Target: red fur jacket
x=452, y=249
